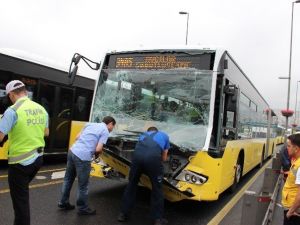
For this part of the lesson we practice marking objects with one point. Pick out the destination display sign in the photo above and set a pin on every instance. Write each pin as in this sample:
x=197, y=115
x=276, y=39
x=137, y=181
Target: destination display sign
x=159, y=61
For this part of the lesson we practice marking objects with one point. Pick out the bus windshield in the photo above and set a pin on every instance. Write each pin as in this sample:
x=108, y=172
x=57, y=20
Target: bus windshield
x=176, y=101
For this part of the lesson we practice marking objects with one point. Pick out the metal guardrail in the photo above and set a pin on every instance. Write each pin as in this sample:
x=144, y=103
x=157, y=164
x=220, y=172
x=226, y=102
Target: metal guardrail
x=270, y=211
x=258, y=207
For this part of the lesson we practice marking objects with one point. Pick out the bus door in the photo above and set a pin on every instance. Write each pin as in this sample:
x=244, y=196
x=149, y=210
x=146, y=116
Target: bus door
x=229, y=126
x=58, y=101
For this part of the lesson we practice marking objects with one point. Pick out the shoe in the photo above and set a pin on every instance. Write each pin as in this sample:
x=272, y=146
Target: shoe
x=87, y=211
x=160, y=221
x=66, y=206
x=122, y=217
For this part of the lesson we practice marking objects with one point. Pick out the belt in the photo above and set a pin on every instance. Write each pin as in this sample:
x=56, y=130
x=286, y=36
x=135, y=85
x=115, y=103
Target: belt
x=15, y=159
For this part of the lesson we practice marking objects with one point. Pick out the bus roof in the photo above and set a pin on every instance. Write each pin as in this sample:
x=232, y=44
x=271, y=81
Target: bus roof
x=32, y=65
x=31, y=57
x=168, y=48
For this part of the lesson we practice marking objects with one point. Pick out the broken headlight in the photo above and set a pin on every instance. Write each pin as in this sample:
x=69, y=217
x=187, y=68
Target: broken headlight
x=191, y=177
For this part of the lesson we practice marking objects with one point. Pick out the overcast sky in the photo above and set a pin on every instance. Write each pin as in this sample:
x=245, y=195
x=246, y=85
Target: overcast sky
x=255, y=32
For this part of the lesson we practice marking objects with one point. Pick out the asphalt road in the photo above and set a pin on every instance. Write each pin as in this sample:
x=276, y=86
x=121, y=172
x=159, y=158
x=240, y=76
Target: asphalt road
x=104, y=196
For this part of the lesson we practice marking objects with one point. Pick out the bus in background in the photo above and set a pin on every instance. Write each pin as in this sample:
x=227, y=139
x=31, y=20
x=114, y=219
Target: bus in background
x=49, y=87
x=280, y=134
x=214, y=115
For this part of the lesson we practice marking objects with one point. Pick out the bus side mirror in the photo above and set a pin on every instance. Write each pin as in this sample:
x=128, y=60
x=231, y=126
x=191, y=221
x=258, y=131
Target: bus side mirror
x=229, y=89
x=231, y=105
x=76, y=59
x=234, y=96
x=73, y=74
x=232, y=93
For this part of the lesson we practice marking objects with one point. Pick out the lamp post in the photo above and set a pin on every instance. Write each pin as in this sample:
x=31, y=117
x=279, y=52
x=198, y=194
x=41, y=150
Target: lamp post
x=290, y=65
x=187, y=25
x=295, y=121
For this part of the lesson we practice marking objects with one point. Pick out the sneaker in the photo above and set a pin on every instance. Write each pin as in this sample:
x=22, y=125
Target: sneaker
x=87, y=211
x=122, y=217
x=66, y=206
x=160, y=221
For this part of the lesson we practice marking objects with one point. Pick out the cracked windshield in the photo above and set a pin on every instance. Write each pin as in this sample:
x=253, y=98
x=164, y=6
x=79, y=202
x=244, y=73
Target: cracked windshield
x=174, y=100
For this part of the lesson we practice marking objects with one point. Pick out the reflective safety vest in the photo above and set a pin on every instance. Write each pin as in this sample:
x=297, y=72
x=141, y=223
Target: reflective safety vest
x=290, y=189
x=27, y=135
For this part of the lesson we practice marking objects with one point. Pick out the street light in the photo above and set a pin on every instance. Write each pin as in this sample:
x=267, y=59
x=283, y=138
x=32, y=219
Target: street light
x=295, y=121
x=187, y=25
x=290, y=65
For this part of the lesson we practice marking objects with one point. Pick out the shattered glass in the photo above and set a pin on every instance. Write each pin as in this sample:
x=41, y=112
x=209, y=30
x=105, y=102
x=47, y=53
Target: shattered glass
x=176, y=101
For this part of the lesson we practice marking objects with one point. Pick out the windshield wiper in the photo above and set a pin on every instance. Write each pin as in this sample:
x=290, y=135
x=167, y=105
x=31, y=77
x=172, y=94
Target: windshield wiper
x=134, y=131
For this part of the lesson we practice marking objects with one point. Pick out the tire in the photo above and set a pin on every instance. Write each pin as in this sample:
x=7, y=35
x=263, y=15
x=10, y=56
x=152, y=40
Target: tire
x=238, y=174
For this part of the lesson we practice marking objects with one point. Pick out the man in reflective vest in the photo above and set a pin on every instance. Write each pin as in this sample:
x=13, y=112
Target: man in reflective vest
x=26, y=124
x=150, y=151
x=291, y=189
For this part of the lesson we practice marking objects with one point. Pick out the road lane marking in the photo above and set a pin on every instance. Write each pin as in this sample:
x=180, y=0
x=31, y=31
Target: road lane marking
x=36, y=185
x=219, y=217
x=58, y=175
x=45, y=171
x=42, y=171
x=40, y=177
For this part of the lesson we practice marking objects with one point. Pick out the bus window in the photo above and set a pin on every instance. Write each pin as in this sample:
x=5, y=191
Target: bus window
x=47, y=93
x=175, y=100
x=82, y=104
x=4, y=100
x=57, y=100
x=65, y=105
x=62, y=120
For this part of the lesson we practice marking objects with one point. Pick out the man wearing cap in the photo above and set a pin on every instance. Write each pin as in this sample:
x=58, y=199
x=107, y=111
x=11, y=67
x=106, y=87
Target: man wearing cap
x=26, y=124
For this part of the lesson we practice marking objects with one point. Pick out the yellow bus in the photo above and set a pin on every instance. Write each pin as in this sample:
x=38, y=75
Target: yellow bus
x=219, y=124
x=47, y=84
x=280, y=134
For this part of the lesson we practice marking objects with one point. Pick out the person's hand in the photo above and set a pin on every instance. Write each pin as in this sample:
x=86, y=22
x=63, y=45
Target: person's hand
x=289, y=214
x=97, y=154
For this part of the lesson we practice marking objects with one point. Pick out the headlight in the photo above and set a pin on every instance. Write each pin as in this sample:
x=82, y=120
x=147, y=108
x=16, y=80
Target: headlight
x=187, y=177
x=191, y=177
x=194, y=179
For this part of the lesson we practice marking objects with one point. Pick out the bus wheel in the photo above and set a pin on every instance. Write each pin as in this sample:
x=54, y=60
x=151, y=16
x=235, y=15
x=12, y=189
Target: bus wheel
x=237, y=175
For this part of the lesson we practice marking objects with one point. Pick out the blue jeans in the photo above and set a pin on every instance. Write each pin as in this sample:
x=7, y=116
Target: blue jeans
x=75, y=166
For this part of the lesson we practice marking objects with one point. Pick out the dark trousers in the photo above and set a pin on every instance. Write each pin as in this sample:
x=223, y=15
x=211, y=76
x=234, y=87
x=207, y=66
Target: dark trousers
x=151, y=165
x=293, y=220
x=19, y=178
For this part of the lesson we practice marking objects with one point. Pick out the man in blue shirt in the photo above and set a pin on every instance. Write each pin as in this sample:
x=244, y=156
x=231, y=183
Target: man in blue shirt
x=88, y=143
x=150, y=151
